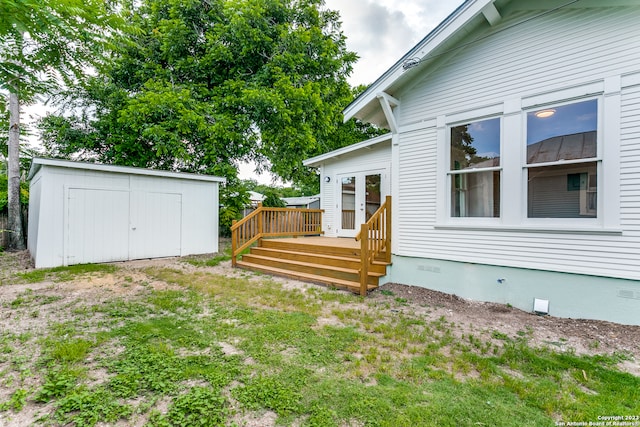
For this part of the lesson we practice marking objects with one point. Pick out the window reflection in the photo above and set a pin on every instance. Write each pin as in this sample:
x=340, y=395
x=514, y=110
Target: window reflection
x=555, y=136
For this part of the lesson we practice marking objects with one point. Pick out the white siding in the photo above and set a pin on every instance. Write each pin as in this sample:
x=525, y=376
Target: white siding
x=35, y=193
x=416, y=190
x=546, y=53
x=378, y=156
x=630, y=168
x=558, y=51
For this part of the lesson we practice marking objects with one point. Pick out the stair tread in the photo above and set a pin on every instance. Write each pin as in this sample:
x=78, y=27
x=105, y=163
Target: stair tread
x=311, y=264
x=300, y=275
x=321, y=255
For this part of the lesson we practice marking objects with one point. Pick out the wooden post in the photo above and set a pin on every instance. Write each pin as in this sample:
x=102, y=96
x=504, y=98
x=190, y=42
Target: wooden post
x=234, y=244
x=387, y=202
x=364, y=259
x=260, y=222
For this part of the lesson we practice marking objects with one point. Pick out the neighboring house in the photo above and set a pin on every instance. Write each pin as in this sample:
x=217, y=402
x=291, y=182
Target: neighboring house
x=306, y=202
x=513, y=158
x=86, y=213
x=255, y=199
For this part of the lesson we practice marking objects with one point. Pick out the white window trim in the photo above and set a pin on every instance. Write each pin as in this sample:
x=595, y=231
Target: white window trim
x=513, y=182
x=594, y=223
x=462, y=119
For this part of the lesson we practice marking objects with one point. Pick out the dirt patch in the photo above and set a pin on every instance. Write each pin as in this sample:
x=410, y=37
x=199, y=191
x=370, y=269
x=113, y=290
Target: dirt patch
x=589, y=337
x=47, y=302
x=582, y=336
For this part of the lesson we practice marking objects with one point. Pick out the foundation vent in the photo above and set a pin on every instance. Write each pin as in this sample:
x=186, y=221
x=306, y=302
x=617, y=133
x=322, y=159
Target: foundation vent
x=629, y=294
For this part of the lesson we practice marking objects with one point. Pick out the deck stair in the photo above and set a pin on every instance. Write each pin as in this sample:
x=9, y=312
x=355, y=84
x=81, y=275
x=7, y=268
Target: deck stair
x=333, y=262
x=289, y=242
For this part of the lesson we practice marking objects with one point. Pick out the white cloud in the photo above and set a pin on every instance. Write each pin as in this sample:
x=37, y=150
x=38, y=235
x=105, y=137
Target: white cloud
x=382, y=31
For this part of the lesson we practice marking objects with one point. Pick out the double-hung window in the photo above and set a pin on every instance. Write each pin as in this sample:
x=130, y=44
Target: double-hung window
x=474, y=169
x=527, y=167
x=562, y=161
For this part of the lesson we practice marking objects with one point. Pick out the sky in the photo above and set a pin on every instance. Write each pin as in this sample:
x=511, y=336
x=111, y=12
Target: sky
x=379, y=31
x=382, y=31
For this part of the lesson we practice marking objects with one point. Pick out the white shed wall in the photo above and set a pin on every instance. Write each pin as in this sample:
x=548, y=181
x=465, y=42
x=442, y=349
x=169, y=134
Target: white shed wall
x=84, y=216
x=35, y=193
x=558, y=51
x=376, y=157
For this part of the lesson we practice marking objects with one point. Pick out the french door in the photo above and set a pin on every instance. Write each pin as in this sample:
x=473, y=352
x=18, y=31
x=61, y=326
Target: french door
x=359, y=196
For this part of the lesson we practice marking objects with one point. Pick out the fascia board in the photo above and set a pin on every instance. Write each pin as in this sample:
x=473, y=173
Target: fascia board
x=316, y=161
x=446, y=29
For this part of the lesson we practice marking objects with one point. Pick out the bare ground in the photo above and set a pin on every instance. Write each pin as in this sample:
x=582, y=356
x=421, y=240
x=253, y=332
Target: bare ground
x=583, y=336
x=589, y=337
x=486, y=320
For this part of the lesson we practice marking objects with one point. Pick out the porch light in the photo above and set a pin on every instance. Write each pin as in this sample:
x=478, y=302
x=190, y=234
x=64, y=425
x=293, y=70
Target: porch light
x=543, y=114
x=327, y=179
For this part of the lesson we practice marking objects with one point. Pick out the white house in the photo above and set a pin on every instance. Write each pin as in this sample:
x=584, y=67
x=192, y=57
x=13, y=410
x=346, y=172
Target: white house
x=512, y=158
x=86, y=213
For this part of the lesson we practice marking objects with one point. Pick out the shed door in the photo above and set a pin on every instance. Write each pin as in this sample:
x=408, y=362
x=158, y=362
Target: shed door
x=118, y=225
x=156, y=220
x=97, y=226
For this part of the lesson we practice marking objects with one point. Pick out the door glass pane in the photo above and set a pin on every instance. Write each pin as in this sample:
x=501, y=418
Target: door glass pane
x=372, y=194
x=349, y=203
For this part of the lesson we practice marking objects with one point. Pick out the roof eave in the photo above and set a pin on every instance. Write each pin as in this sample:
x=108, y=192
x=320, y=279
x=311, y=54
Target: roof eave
x=318, y=160
x=38, y=162
x=456, y=21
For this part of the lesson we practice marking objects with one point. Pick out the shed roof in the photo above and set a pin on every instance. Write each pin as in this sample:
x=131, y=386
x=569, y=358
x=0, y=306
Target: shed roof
x=565, y=147
x=38, y=162
x=255, y=196
x=582, y=145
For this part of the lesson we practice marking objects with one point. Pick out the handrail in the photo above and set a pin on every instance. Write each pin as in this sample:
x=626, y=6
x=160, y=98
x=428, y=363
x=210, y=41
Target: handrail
x=375, y=239
x=273, y=222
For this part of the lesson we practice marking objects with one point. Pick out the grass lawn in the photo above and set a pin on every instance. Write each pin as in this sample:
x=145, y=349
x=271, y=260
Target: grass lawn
x=182, y=345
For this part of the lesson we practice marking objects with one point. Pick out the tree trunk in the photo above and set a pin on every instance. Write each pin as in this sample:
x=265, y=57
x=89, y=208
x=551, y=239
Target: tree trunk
x=16, y=235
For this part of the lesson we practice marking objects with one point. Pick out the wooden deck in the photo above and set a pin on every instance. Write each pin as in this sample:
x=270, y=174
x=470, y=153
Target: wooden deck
x=330, y=261
x=322, y=242
x=288, y=242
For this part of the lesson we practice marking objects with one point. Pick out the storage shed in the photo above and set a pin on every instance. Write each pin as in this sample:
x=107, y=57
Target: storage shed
x=87, y=213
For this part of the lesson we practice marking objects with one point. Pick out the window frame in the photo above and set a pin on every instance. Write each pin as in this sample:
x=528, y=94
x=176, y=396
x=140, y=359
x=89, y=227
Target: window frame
x=513, y=208
x=597, y=221
x=449, y=173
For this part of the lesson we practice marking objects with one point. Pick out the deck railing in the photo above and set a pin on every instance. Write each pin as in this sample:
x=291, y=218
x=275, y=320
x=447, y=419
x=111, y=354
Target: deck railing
x=375, y=241
x=273, y=222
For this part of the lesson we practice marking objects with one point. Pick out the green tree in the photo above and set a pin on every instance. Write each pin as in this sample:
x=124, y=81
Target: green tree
x=43, y=43
x=272, y=199
x=197, y=86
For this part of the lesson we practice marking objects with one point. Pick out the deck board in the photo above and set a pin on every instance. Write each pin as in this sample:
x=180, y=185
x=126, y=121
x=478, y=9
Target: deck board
x=335, y=242
x=329, y=260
